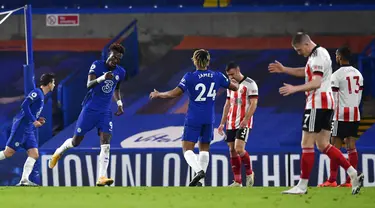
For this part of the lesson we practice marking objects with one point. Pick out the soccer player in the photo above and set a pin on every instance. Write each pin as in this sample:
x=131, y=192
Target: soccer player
x=238, y=115
x=347, y=86
x=24, y=126
x=103, y=82
x=318, y=111
x=201, y=86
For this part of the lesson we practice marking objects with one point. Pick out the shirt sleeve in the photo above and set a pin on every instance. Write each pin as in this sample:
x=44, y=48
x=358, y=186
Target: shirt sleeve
x=183, y=83
x=317, y=66
x=93, y=68
x=32, y=97
x=252, y=91
x=335, y=83
x=223, y=80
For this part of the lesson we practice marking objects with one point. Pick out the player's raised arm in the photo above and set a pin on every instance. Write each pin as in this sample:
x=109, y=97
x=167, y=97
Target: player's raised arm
x=278, y=67
x=92, y=79
x=176, y=92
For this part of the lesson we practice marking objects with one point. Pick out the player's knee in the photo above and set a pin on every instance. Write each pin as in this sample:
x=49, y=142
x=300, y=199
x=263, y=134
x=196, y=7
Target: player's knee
x=321, y=145
x=9, y=152
x=240, y=149
x=350, y=143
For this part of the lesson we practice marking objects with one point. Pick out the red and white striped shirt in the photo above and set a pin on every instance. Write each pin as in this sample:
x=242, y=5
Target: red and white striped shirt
x=319, y=64
x=347, y=86
x=240, y=103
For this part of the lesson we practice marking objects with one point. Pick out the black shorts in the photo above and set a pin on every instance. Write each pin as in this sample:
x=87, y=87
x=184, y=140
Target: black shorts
x=314, y=120
x=343, y=129
x=234, y=134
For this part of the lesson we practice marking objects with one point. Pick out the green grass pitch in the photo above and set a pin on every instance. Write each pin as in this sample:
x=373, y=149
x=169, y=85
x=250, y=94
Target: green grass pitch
x=181, y=197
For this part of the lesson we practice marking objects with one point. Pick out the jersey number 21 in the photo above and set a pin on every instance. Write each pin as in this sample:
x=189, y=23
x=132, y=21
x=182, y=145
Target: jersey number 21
x=202, y=88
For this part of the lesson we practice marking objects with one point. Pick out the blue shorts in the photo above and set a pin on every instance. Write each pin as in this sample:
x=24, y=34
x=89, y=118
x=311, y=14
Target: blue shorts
x=89, y=119
x=22, y=137
x=203, y=133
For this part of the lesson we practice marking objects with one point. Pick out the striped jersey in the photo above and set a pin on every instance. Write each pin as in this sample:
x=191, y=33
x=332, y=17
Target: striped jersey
x=347, y=86
x=240, y=103
x=319, y=64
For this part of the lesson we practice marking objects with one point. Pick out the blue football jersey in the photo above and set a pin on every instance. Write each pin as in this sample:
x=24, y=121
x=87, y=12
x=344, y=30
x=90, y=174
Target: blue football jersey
x=99, y=97
x=202, y=86
x=31, y=107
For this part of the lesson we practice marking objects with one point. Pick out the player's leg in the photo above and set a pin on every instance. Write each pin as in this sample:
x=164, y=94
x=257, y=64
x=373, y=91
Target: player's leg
x=105, y=138
x=307, y=160
x=189, y=139
x=86, y=121
x=203, y=159
x=235, y=159
x=14, y=141
x=352, y=155
x=240, y=143
x=333, y=153
x=30, y=144
x=105, y=127
x=7, y=153
x=334, y=167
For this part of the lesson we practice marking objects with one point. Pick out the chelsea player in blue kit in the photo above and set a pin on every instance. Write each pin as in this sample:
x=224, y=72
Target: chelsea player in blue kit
x=24, y=125
x=201, y=86
x=103, y=82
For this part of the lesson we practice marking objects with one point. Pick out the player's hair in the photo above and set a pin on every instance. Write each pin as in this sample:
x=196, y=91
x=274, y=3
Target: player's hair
x=117, y=47
x=231, y=65
x=300, y=37
x=344, y=52
x=46, y=78
x=201, y=58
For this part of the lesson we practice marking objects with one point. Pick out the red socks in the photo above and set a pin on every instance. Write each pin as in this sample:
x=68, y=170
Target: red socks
x=307, y=162
x=334, y=154
x=246, y=162
x=236, y=168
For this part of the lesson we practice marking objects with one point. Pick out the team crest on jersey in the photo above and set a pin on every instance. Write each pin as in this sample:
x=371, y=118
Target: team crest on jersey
x=79, y=130
x=117, y=77
x=108, y=85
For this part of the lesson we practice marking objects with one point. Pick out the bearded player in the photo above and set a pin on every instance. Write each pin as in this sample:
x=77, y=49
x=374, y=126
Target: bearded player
x=238, y=116
x=347, y=86
x=103, y=82
x=318, y=114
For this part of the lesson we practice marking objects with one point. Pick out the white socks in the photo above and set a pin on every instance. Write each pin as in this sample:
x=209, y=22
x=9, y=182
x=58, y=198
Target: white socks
x=67, y=145
x=303, y=183
x=204, y=159
x=191, y=159
x=103, y=160
x=2, y=156
x=27, y=168
x=352, y=172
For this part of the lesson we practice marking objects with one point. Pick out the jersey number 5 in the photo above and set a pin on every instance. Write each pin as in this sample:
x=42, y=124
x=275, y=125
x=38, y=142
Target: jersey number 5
x=211, y=92
x=350, y=85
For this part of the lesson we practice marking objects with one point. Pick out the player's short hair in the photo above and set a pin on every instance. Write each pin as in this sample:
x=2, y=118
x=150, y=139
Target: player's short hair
x=117, y=47
x=46, y=78
x=231, y=65
x=344, y=52
x=202, y=58
x=300, y=37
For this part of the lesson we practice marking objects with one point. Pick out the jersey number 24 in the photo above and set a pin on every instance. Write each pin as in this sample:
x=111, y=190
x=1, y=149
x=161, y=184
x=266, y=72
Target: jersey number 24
x=202, y=88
